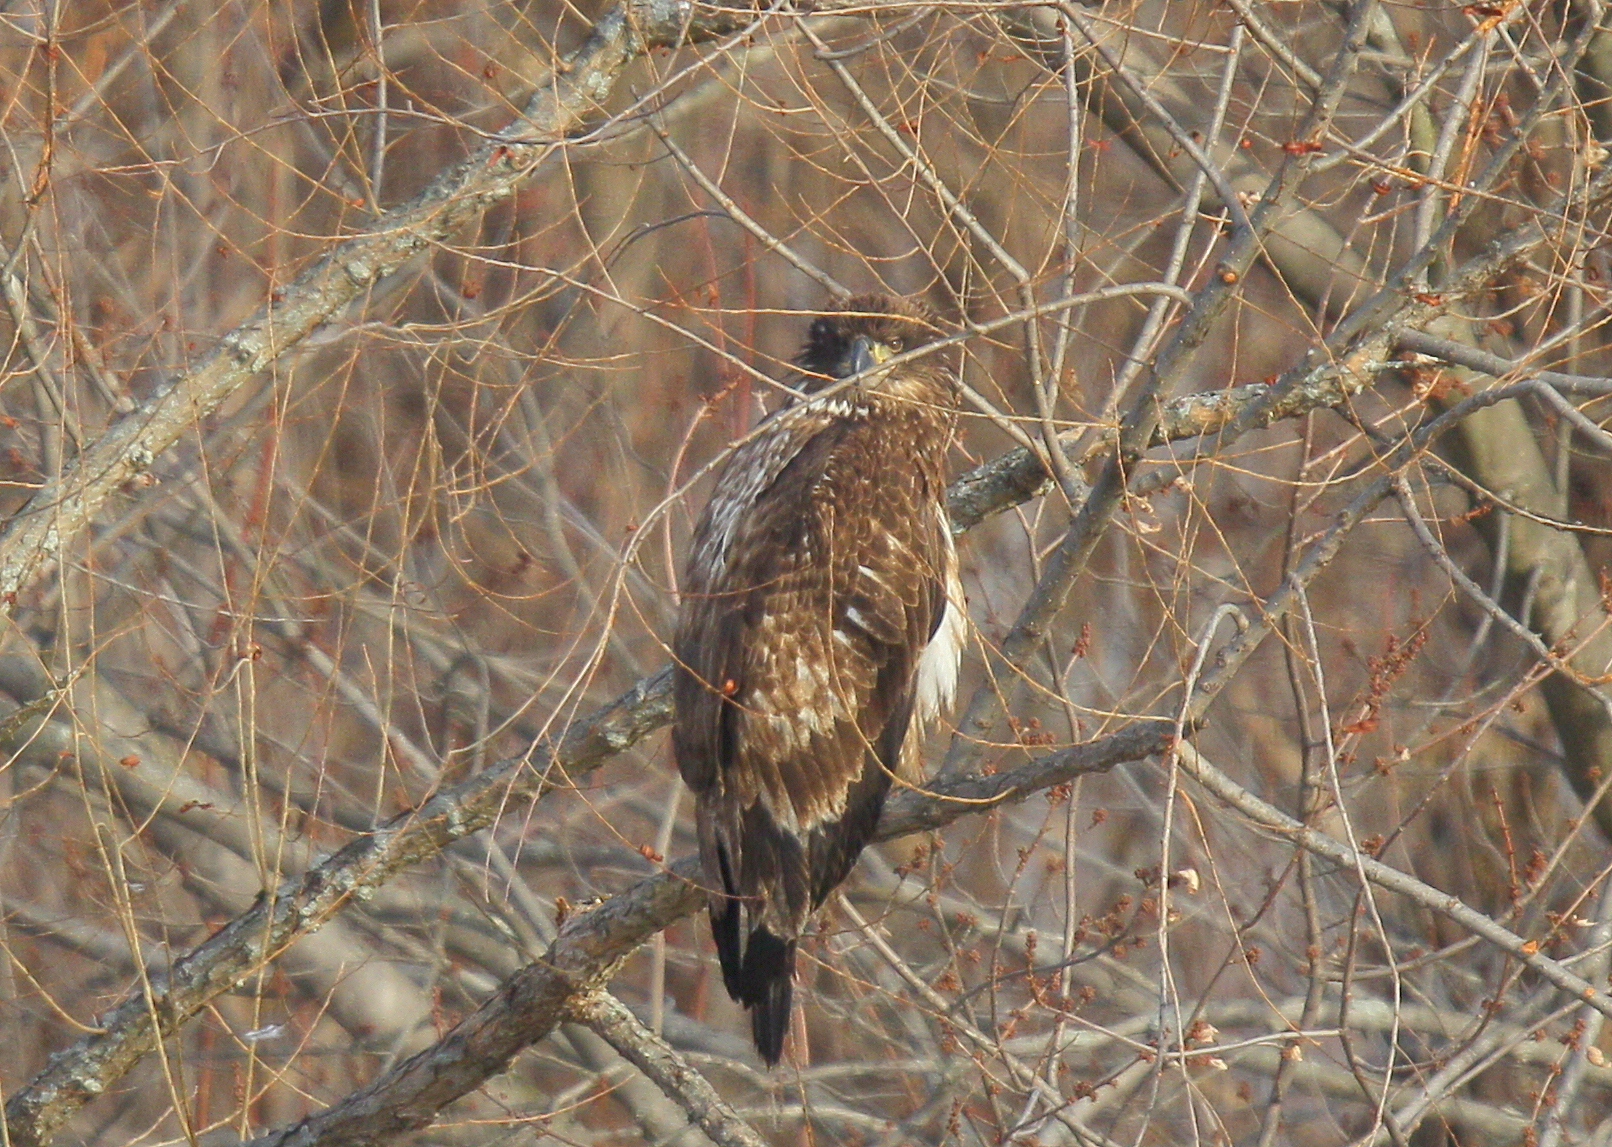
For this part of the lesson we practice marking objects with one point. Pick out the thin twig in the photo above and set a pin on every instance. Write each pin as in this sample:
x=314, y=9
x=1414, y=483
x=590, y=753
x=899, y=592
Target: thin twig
x=610, y=1020
x=64, y=505
x=1273, y=819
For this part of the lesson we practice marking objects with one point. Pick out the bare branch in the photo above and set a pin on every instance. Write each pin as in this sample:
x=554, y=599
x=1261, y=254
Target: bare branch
x=591, y=944
x=606, y=1016
x=63, y=506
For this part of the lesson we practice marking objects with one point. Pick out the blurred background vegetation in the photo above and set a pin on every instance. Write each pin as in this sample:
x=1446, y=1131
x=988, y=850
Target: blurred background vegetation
x=446, y=525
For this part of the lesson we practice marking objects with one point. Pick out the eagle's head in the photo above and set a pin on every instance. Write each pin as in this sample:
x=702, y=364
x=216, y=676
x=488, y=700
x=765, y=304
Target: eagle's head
x=865, y=332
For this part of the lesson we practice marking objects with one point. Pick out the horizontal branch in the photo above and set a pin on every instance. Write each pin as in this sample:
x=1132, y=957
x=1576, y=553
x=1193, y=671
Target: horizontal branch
x=1496, y=366
x=129, y=1030
x=1019, y=475
x=591, y=944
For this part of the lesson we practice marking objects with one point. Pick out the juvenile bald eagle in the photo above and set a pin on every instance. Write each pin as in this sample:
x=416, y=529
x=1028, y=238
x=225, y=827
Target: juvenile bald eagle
x=821, y=610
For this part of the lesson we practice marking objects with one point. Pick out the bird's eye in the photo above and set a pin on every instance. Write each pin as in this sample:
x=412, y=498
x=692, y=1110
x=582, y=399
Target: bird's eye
x=896, y=345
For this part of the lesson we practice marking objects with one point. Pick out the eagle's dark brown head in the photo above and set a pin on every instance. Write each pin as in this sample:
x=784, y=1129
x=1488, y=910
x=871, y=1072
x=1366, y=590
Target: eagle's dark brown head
x=865, y=332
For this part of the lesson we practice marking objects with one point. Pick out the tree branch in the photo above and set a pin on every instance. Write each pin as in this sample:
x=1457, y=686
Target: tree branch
x=591, y=944
x=65, y=505
x=128, y=1031
x=609, y=1019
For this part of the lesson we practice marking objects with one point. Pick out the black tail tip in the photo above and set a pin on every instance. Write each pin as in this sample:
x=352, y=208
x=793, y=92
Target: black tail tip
x=769, y=1021
x=766, y=987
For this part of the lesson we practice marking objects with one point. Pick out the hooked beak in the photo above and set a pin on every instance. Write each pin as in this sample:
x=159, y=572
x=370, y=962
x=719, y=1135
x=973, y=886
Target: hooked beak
x=864, y=355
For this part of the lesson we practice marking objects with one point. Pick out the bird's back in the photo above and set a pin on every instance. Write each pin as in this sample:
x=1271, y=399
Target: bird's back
x=818, y=575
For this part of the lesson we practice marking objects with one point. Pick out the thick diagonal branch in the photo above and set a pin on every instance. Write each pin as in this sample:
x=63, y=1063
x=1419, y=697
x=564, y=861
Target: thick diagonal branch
x=591, y=945
x=128, y=1031
x=65, y=505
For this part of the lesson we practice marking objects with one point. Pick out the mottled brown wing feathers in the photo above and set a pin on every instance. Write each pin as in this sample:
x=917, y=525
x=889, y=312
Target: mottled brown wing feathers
x=736, y=577
x=816, y=578
x=799, y=657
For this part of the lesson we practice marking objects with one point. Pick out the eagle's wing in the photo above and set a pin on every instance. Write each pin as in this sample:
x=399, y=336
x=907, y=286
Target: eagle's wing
x=818, y=576
x=820, y=610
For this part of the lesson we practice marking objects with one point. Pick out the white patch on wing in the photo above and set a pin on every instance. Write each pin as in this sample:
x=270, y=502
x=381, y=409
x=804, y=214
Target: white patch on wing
x=793, y=739
x=725, y=508
x=786, y=732
x=873, y=576
x=809, y=718
x=938, y=664
x=936, y=685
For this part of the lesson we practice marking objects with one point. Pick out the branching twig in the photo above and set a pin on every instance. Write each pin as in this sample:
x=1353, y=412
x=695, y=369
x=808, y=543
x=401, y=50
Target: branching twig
x=65, y=505
x=1271, y=818
x=591, y=944
x=608, y=1018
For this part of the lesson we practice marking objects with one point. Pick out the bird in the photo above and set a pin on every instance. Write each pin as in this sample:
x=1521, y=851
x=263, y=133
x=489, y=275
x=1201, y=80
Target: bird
x=821, y=611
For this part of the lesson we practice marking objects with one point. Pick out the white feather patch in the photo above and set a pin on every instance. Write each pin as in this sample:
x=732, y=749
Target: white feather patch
x=938, y=664
x=936, y=685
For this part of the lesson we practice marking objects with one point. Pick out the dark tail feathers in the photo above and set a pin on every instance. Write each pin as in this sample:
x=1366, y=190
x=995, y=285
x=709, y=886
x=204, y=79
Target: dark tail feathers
x=767, y=985
x=760, y=974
